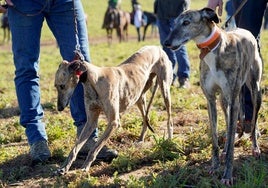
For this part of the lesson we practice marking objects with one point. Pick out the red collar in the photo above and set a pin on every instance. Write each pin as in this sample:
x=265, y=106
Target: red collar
x=78, y=73
x=210, y=43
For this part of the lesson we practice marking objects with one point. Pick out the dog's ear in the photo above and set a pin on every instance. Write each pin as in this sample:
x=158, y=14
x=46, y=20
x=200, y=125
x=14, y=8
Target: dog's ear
x=77, y=66
x=210, y=15
x=63, y=63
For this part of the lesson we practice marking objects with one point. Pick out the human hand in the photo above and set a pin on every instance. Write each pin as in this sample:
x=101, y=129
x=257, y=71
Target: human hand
x=3, y=9
x=213, y=4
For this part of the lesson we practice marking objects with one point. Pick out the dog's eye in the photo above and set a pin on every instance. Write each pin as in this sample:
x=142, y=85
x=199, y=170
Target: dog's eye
x=62, y=87
x=185, y=22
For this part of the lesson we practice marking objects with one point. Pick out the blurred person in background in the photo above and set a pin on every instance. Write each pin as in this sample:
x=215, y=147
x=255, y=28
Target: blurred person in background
x=167, y=11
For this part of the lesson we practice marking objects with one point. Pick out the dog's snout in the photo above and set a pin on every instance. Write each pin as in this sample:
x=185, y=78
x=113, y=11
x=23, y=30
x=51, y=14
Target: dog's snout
x=60, y=108
x=167, y=43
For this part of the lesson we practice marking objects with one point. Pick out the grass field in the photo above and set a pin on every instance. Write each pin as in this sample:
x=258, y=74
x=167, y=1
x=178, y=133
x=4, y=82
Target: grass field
x=181, y=162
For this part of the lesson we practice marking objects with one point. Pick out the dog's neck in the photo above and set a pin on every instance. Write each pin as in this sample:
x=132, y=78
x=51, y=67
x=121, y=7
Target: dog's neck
x=210, y=43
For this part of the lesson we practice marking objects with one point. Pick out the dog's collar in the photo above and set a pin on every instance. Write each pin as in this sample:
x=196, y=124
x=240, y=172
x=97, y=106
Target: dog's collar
x=210, y=43
x=78, y=73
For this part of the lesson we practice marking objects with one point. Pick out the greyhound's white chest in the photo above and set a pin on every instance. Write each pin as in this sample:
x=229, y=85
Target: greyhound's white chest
x=212, y=75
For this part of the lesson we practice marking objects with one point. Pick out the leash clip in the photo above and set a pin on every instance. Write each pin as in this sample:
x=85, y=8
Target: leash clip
x=78, y=55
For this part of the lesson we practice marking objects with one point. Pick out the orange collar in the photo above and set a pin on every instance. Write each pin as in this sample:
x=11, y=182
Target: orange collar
x=210, y=43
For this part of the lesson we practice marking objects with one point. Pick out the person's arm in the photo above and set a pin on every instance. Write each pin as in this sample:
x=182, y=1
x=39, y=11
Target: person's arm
x=3, y=9
x=213, y=4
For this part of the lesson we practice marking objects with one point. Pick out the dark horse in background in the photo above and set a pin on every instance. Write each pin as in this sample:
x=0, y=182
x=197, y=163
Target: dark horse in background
x=119, y=20
x=5, y=26
x=150, y=19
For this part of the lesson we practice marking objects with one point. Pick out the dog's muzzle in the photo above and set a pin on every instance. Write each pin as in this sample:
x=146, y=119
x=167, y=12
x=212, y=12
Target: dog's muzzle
x=169, y=44
x=61, y=106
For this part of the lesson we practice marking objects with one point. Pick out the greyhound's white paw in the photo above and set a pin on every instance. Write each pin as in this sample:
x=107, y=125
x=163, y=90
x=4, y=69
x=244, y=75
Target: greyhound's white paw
x=83, y=169
x=212, y=170
x=138, y=143
x=223, y=156
x=256, y=152
x=60, y=172
x=227, y=182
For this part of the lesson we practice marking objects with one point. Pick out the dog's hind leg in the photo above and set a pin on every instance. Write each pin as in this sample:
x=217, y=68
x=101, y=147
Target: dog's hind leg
x=164, y=85
x=88, y=129
x=141, y=103
x=256, y=101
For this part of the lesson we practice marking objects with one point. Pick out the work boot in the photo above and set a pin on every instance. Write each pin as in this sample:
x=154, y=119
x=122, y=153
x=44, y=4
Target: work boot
x=106, y=154
x=39, y=152
x=184, y=83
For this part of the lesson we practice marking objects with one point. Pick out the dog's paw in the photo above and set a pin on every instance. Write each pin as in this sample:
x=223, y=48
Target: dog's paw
x=212, y=170
x=223, y=156
x=138, y=143
x=84, y=170
x=60, y=172
x=256, y=152
x=86, y=166
x=228, y=182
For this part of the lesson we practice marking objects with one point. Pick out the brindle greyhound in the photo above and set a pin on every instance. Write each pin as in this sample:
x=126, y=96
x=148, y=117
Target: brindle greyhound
x=114, y=90
x=228, y=61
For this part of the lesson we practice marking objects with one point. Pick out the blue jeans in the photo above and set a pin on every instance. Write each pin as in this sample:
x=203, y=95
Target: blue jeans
x=180, y=56
x=250, y=18
x=26, y=33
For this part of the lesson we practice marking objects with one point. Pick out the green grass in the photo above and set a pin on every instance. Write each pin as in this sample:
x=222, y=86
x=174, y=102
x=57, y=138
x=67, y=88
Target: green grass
x=158, y=162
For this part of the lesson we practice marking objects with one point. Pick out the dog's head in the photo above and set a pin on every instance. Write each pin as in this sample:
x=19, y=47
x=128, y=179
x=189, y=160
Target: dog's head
x=190, y=25
x=66, y=80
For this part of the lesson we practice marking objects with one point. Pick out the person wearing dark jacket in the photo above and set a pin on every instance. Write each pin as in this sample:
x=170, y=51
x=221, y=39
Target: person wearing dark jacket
x=167, y=11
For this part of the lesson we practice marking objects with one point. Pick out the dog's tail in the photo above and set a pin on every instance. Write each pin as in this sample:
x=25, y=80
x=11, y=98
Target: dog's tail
x=149, y=104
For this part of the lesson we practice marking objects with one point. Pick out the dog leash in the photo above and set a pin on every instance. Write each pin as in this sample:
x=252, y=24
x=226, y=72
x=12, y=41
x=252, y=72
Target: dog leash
x=77, y=51
x=234, y=14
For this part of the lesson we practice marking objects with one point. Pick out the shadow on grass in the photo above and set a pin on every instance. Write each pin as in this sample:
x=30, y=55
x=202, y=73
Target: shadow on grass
x=19, y=170
x=16, y=171
x=9, y=112
x=15, y=111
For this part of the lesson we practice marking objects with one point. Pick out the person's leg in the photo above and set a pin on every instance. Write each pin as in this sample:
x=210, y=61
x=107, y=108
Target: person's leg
x=183, y=72
x=250, y=19
x=139, y=34
x=184, y=64
x=164, y=28
x=61, y=22
x=26, y=31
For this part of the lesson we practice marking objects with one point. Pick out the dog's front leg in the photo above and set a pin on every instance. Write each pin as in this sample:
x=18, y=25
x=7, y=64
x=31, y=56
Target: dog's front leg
x=212, y=112
x=100, y=143
x=87, y=131
x=232, y=110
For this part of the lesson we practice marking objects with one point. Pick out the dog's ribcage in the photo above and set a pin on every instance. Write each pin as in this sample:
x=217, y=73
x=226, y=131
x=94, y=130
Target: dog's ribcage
x=129, y=78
